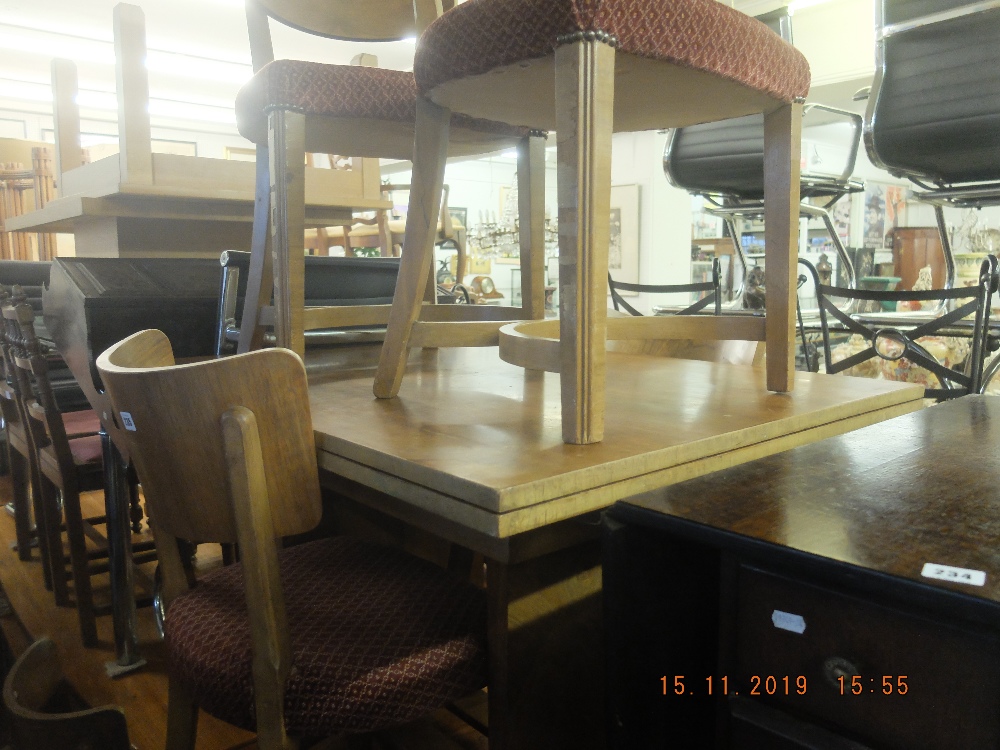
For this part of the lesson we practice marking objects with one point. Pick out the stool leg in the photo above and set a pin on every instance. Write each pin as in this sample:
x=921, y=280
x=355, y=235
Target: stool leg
x=21, y=498
x=782, y=149
x=584, y=120
x=531, y=221
x=430, y=151
x=286, y=142
x=260, y=279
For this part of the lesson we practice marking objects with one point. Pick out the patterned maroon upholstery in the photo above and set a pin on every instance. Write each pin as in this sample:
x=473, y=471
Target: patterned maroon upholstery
x=350, y=91
x=378, y=638
x=706, y=35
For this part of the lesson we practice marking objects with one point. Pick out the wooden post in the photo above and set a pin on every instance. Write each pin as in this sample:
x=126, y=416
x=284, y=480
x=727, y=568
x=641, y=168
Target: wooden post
x=66, y=117
x=286, y=143
x=782, y=149
x=531, y=218
x=430, y=151
x=135, y=157
x=584, y=119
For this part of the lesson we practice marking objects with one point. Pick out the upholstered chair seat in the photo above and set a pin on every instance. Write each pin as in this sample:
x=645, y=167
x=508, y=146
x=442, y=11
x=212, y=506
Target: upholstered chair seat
x=430, y=649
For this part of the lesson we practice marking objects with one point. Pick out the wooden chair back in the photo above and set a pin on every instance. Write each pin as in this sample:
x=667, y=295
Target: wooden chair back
x=15, y=182
x=372, y=21
x=45, y=712
x=31, y=365
x=173, y=416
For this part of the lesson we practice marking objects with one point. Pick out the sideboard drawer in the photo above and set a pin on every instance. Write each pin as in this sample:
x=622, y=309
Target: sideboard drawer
x=905, y=681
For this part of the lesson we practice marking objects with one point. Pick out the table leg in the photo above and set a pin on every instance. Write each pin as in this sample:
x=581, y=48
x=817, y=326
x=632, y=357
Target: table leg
x=116, y=501
x=546, y=642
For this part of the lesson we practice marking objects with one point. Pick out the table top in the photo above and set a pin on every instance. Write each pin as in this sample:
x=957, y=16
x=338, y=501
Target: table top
x=889, y=498
x=479, y=441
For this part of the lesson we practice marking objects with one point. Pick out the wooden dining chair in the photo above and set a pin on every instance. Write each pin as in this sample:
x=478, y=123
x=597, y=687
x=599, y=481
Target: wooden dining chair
x=25, y=493
x=46, y=714
x=292, y=107
x=329, y=636
x=586, y=69
x=69, y=462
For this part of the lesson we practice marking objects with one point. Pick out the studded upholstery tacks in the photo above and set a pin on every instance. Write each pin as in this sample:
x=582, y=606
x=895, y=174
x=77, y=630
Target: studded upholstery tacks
x=378, y=638
x=481, y=35
x=348, y=91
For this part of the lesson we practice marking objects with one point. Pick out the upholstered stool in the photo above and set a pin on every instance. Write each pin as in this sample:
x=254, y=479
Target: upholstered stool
x=291, y=107
x=586, y=68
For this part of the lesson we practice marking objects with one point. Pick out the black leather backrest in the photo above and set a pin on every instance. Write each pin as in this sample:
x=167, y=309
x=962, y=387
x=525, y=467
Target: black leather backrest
x=727, y=156
x=936, y=112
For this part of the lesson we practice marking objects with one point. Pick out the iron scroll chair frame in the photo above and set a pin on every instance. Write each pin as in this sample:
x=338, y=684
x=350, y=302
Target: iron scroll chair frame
x=953, y=383
x=713, y=287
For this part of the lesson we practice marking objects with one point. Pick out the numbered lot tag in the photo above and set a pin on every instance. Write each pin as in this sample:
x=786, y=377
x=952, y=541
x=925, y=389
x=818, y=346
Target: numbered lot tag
x=127, y=421
x=788, y=621
x=955, y=575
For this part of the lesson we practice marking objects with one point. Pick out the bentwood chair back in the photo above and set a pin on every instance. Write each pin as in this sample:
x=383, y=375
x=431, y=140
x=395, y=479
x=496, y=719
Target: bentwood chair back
x=325, y=637
x=934, y=109
x=587, y=70
x=366, y=113
x=44, y=714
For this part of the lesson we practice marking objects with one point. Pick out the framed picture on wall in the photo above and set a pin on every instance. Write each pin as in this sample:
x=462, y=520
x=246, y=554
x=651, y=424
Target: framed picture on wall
x=623, y=251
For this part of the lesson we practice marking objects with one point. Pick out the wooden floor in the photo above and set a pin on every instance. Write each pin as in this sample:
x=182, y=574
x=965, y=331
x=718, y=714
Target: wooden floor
x=143, y=694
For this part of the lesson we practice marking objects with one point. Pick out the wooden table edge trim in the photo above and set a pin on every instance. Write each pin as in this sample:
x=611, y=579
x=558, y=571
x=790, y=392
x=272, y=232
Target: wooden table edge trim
x=507, y=524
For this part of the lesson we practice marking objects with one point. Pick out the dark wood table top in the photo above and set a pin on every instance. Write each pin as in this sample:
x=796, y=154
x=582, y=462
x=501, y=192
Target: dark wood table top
x=885, y=499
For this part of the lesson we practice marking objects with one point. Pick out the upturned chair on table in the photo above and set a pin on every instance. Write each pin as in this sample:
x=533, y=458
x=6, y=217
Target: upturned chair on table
x=586, y=69
x=291, y=107
x=330, y=636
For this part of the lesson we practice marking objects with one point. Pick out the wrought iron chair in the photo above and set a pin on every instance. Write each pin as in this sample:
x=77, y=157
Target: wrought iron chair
x=896, y=337
x=712, y=291
x=724, y=163
x=934, y=111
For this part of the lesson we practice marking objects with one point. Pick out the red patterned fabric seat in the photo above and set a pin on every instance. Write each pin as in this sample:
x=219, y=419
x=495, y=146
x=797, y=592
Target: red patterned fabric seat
x=702, y=35
x=343, y=91
x=588, y=69
x=385, y=652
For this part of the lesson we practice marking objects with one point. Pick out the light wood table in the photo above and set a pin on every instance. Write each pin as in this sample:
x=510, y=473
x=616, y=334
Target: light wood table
x=472, y=450
x=172, y=220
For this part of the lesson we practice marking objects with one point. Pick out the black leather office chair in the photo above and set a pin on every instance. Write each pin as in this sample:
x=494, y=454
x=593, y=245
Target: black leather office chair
x=724, y=162
x=934, y=110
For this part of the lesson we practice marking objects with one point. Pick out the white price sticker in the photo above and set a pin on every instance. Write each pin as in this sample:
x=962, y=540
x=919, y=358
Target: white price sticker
x=127, y=421
x=788, y=621
x=955, y=575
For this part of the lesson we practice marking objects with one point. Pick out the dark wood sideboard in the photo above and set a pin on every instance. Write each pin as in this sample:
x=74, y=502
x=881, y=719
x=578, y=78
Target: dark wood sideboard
x=793, y=589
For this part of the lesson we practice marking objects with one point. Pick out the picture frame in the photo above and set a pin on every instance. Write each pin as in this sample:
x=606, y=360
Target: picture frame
x=623, y=251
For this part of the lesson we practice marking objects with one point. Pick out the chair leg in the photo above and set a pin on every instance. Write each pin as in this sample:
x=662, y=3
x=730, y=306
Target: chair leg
x=782, y=147
x=286, y=141
x=260, y=279
x=47, y=511
x=182, y=716
x=21, y=497
x=81, y=568
x=531, y=214
x=584, y=121
x=430, y=151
